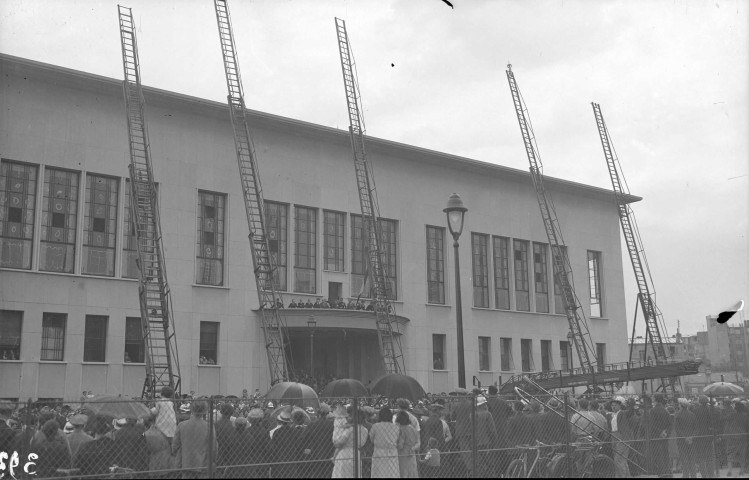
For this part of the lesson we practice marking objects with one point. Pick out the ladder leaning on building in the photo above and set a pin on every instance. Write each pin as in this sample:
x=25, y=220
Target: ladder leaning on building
x=264, y=265
x=562, y=269
x=646, y=292
x=390, y=347
x=162, y=361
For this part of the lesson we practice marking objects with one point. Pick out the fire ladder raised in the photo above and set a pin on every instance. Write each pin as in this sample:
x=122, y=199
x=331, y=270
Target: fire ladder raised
x=562, y=269
x=654, y=323
x=262, y=260
x=390, y=347
x=162, y=361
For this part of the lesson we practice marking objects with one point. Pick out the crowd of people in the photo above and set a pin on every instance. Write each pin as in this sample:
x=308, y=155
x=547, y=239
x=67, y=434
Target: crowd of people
x=440, y=436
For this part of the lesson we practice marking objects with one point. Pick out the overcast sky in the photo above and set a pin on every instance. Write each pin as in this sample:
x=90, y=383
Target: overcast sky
x=671, y=77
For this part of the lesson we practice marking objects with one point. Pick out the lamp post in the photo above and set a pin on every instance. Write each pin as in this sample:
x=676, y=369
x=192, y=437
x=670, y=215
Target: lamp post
x=311, y=324
x=455, y=215
x=570, y=339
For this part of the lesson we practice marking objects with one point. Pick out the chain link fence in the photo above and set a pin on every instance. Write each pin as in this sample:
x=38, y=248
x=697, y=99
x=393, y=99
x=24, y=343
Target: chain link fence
x=440, y=436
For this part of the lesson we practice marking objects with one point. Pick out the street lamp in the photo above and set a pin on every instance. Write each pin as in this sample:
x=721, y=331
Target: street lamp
x=311, y=324
x=570, y=339
x=455, y=215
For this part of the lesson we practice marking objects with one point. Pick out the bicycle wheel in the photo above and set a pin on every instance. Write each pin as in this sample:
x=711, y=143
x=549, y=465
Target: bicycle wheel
x=516, y=469
x=541, y=470
x=602, y=466
x=559, y=467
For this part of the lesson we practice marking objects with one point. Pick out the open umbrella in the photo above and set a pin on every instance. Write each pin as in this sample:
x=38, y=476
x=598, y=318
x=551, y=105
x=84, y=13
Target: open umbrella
x=345, y=387
x=395, y=385
x=117, y=406
x=722, y=388
x=293, y=393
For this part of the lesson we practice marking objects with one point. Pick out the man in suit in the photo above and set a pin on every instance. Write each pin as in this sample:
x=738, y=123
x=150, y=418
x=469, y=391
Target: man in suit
x=684, y=430
x=224, y=432
x=621, y=432
x=318, y=445
x=462, y=415
x=78, y=438
x=190, y=445
x=660, y=426
x=486, y=437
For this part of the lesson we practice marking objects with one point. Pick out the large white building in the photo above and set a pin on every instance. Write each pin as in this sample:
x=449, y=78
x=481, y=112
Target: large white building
x=69, y=316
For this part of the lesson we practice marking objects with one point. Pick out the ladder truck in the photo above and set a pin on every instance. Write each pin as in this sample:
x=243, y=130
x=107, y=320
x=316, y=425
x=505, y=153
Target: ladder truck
x=646, y=294
x=390, y=347
x=157, y=323
x=562, y=269
x=264, y=264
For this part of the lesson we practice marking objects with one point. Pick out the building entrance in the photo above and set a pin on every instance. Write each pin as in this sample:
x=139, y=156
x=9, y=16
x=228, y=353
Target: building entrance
x=335, y=353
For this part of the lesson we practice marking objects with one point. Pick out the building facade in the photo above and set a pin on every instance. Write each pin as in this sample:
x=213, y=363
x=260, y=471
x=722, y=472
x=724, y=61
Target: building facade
x=69, y=298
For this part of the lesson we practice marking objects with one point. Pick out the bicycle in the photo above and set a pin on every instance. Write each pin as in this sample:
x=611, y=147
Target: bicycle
x=586, y=462
x=518, y=468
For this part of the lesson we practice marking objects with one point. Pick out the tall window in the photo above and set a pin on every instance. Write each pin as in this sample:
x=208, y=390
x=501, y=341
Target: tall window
x=594, y=277
x=479, y=253
x=435, y=265
x=438, y=351
x=305, y=251
x=333, y=240
x=129, y=266
x=541, y=277
x=17, y=209
x=485, y=357
x=276, y=215
x=360, y=261
x=564, y=355
x=501, y=272
x=95, y=339
x=522, y=293
x=59, y=221
x=526, y=354
x=10, y=335
x=505, y=352
x=601, y=355
x=100, y=225
x=546, y=359
x=211, y=228
x=208, y=343
x=134, y=345
x=130, y=241
x=53, y=336
x=558, y=300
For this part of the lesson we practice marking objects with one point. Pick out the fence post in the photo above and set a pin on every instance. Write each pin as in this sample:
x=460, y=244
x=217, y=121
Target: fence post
x=356, y=437
x=211, y=460
x=648, y=447
x=716, y=468
x=568, y=449
x=474, y=448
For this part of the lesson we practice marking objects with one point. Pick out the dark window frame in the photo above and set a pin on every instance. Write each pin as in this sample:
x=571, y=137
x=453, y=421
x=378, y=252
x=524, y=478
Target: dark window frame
x=485, y=354
x=135, y=345
x=95, y=339
x=11, y=334
x=501, y=257
x=100, y=223
x=277, y=225
x=439, y=362
x=54, y=327
x=334, y=241
x=305, y=248
x=480, y=269
x=18, y=184
x=211, y=238
x=57, y=252
x=435, y=264
x=209, y=339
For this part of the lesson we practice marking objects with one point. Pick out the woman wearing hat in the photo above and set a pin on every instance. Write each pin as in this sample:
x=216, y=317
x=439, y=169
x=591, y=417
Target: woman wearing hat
x=343, y=440
x=384, y=436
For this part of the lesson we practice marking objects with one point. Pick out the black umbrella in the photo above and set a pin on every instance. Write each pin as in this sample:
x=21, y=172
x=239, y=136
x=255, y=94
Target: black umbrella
x=345, y=387
x=395, y=385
